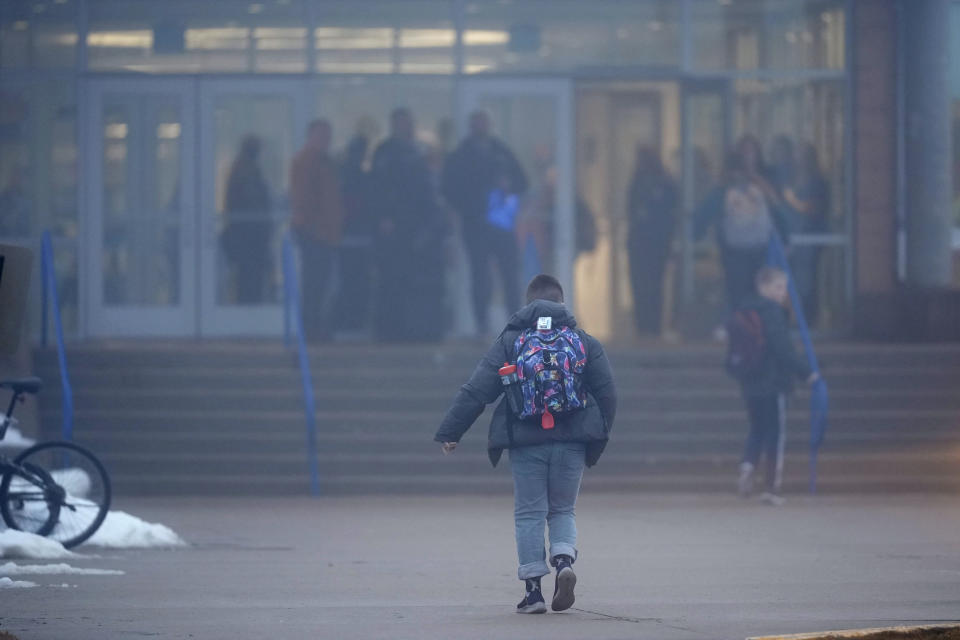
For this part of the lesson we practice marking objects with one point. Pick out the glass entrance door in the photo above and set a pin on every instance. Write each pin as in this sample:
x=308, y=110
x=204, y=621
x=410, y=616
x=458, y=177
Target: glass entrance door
x=139, y=174
x=250, y=131
x=533, y=117
x=706, y=139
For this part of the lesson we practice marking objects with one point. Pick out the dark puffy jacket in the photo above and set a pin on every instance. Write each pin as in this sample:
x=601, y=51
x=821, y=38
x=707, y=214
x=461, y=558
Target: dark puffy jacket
x=780, y=365
x=402, y=190
x=473, y=169
x=590, y=425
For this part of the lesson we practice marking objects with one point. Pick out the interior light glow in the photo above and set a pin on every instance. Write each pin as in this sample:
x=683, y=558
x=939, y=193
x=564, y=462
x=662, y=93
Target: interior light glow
x=332, y=66
x=427, y=38
x=291, y=33
x=350, y=38
x=115, y=131
x=168, y=130
x=131, y=39
x=477, y=68
x=219, y=38
x=474, y=37
x=279, y=44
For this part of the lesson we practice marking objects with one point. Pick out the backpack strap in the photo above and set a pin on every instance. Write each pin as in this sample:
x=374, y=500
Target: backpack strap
x=508, y=338
x=583, y=340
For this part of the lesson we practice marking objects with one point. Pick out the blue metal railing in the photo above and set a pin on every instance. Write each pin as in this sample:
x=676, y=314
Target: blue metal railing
x=293, y=319
x=50, y=295
x=819, y=397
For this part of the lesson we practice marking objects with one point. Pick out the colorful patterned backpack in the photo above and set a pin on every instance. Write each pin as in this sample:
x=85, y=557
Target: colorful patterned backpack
x=550, y=365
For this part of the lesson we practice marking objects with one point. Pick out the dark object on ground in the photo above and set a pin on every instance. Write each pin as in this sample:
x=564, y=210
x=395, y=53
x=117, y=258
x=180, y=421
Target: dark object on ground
x=7, y=636
x=937, y=633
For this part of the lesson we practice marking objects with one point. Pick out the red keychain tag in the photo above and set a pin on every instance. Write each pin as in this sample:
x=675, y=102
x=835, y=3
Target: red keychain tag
x=546, y=421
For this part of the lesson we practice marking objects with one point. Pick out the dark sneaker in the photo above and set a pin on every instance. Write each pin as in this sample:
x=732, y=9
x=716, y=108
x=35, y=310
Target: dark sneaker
x=532, y=603
x=563, y=588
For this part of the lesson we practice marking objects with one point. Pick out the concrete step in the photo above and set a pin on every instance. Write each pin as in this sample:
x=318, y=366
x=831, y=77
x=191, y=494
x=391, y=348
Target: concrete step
x=391, y=399
x=226, y=417
x=613, y=463
x=498, y=482
x=215, y=420
x=188, y=352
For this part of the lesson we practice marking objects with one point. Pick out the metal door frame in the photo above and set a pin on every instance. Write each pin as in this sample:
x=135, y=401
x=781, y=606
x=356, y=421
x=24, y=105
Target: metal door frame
x=213, y=318
x=132, y=320
x=468, y=94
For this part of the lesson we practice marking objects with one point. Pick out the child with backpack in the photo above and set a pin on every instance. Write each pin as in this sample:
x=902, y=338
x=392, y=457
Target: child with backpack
x=761, y=356
x=555, y=419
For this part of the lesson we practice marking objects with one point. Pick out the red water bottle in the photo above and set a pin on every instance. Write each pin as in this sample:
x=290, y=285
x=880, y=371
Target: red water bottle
x=510, y=381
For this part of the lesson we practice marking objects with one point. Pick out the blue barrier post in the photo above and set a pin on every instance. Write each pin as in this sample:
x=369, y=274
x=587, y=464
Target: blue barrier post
x=292, y=312
x=44, y=311
x=819, y=397
x=287, y=294
x=286, y=315
x=50, y=293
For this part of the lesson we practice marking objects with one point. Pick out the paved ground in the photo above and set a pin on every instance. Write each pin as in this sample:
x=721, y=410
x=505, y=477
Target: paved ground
x=664, y=567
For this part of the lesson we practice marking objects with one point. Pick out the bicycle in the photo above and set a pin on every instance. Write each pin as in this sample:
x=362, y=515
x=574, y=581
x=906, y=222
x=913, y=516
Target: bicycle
x=55, y=489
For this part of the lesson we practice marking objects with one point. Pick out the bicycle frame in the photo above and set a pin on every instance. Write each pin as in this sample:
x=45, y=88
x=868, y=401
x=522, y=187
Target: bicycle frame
x=7, y=466
x=8, y=417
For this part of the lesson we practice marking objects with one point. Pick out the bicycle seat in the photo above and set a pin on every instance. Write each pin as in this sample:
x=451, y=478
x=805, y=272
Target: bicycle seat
x=23, y=385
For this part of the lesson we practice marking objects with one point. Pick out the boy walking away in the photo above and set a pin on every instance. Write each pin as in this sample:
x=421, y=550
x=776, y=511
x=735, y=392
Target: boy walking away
x=559, y=405
x=761, y=356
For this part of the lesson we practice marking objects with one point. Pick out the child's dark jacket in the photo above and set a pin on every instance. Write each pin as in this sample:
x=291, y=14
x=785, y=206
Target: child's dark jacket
x=780, y=365
x=591, y=425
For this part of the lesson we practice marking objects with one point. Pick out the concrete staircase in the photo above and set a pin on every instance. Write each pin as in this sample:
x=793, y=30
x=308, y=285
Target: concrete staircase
x=185, y=418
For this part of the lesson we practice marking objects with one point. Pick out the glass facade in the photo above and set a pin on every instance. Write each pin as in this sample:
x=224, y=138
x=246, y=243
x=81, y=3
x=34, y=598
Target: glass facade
x=180, y=36
x=141, y=142
x=39, y=176
x=570, y=36
x=955, y=96
x=768, y=34
x=686, y=78
x=38, y=35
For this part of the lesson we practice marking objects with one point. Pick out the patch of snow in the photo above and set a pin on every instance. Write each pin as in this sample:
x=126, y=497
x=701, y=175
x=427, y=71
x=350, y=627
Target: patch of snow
x=15, y=438
x=75, y=481
x=13, y=569
x=121, y=530
x=7, y=583
x=19, y=544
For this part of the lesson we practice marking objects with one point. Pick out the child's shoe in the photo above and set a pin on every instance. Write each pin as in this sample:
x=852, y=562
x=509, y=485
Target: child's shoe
x=533, y=600
x=745, y=481
x=772, y=499
x=563, y=588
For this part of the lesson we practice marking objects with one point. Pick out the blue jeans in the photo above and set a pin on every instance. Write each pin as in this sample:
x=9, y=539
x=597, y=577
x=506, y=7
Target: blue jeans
x=546, y=481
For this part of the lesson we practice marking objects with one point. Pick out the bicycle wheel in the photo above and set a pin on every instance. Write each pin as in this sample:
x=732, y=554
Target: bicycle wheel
x=27, y=502
x=80, y=485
